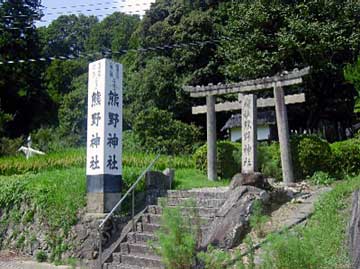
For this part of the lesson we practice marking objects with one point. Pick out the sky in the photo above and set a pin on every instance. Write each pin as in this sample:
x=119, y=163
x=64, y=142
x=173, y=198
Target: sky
x=52, y=8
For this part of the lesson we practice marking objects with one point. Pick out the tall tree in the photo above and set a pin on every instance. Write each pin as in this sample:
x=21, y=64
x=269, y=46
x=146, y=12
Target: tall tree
x=67, y=34
x=352, y=74
x=20, y=89
x=158, y=75
x=113, y=33
x=271, y=36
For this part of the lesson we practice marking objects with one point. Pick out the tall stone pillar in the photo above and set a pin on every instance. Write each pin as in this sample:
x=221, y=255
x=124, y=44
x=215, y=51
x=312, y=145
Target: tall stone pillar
x=104, y=136
x=211, y=137
x=249, y=134
x=284, y=138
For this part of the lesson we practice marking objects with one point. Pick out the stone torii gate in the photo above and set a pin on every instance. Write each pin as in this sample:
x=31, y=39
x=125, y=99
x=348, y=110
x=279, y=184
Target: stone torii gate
x=248, y=103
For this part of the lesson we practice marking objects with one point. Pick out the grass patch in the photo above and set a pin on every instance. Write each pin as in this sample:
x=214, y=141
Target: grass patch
x=57, y=195
x=177, y=236
x=322, y=242
x=46, y=190
x=77, y=157
x=193, y=178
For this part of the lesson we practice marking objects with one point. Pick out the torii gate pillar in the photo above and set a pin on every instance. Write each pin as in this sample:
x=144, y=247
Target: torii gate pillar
x=211, y=137
x=283, y=132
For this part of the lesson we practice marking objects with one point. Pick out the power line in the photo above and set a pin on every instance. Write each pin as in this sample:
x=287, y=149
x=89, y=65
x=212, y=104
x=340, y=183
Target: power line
x=35, y=16
x=134, y=12
x=109, y=53
x=92, y=5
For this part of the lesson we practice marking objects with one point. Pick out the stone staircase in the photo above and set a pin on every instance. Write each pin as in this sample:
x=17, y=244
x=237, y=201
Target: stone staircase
x=134, y=251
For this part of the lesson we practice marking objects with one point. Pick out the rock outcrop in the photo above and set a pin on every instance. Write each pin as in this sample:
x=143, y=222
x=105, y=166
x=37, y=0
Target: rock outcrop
x=253, y=179
x=231, y=222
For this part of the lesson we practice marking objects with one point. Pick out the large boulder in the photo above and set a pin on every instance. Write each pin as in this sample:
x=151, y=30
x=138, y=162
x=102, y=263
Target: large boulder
x=354, y=231
x=252, y=179
x=231, y=223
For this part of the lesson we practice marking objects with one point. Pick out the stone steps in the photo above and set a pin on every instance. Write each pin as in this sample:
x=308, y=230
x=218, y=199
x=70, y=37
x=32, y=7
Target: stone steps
x=147, y=227
x=156, y=219
x=136, y=248
x=203, y=212
x=125, y=266
x=147, y=260
x=200, y=202
x=151, y=218
x=136, y=237
x=136, y=253
x=208, y=193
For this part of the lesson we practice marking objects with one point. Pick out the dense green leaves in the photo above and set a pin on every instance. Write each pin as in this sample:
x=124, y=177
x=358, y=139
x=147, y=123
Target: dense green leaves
x=272, y=36
x=20, y=90
x=158, y=131
x=113, y=33
x=352, y=74
x=263, y=38
x=67, y=34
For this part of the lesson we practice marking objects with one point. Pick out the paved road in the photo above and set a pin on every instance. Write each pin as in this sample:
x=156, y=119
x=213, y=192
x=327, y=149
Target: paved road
x=29, y=265
x=9, y=265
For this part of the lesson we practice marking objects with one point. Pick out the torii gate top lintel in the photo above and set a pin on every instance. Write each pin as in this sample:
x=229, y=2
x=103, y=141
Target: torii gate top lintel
x=248, y=86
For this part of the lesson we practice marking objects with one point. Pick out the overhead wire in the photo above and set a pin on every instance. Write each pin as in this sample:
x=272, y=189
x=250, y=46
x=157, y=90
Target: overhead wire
x=133, y=12
x=108, y=53
x=76, y=12
x=34, y=16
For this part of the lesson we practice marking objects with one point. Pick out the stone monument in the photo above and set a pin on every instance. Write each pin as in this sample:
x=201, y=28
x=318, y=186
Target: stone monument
x=104, y=136
x=249, y=134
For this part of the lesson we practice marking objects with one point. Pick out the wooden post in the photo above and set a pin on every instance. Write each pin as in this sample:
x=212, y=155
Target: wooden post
x=249, y=134
x=284, y=139
x=211, y=137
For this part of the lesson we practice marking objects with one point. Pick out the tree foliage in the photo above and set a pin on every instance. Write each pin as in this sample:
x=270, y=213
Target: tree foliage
x=67, y=34
x=20, y=88
x=272, y=36
x=241, y=40
x=159, y=132
x=352, y=74
x=113, y=33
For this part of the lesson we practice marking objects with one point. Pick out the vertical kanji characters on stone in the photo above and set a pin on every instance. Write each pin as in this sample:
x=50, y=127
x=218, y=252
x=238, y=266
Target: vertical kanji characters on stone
x=248, y=130
x=104, y=137
x=104, y=117
x=113, y=121
x=95, y=116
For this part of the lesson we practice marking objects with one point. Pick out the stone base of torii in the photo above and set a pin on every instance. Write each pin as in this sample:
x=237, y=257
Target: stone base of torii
x=248, y=103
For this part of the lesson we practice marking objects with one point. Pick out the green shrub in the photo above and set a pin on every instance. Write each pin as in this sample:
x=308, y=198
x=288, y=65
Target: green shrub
x=131, y=142
x=357, y=134
x=346, y=156
x=177, y=237
x=41, y=256
x=215, y=258
x=269, y=161
x=258, y=219
x=322, y=178
x=10, y=146
x=319, y=244
x=158, y=131
x=228, y=158
x=287, y=251
x=310, y=154
x=218, y=259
